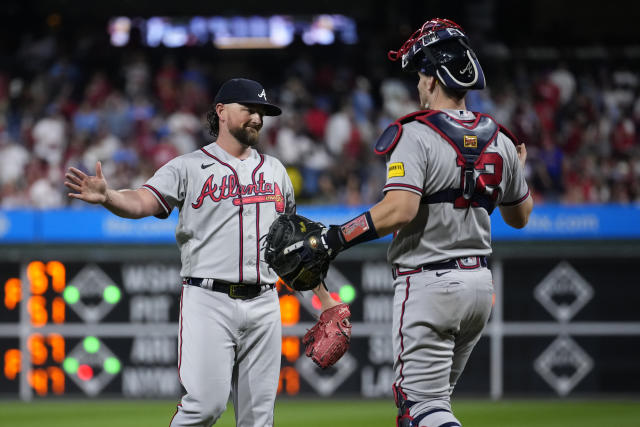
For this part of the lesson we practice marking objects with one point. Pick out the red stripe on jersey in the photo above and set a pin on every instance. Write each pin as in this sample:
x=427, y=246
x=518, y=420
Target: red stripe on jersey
x=406, y=297
x=517, y=202
x=180, y=338
x=162, y=200
x=239, y=212
x=413, y=187
x=253, y=178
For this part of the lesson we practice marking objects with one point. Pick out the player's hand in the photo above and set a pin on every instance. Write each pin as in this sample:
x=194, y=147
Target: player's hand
x=91, y=189
x=522, y=153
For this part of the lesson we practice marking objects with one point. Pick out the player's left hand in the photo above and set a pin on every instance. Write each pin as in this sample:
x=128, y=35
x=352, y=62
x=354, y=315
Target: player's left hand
x=328, y=340
x=91, y=189
x=295, y=250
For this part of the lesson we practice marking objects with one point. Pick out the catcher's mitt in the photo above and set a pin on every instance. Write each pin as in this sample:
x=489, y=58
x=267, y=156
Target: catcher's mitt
x=295, y=251
x=329, y=339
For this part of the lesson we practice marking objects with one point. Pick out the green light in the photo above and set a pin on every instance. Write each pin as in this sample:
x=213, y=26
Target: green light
x=347, y=294
x=70, y=365
x=91, y=344
x=111, y=294
x=71, y=295
x=112, y=365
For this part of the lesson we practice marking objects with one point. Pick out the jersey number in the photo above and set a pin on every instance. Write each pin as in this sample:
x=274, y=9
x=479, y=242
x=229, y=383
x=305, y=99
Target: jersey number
x=488, y=177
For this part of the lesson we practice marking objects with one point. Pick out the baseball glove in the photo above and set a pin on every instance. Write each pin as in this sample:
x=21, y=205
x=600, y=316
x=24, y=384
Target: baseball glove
x=328, y=340
x=295, y=251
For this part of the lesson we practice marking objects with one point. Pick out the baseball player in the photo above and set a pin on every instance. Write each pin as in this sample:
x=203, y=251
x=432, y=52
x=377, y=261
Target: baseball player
x=228, y=195
x=448, y=168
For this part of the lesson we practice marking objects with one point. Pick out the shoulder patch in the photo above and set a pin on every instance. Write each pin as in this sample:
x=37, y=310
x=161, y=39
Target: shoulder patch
x=396, y=169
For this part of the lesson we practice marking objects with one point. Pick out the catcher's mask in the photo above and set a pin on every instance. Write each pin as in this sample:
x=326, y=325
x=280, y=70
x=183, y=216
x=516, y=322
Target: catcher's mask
x=440, y=48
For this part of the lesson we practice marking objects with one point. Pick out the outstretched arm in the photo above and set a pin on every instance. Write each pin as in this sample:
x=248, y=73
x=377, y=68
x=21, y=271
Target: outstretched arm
x=124, y=203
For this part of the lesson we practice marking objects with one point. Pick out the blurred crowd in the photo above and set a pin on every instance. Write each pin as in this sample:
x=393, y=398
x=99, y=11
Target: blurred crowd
x=580, y=125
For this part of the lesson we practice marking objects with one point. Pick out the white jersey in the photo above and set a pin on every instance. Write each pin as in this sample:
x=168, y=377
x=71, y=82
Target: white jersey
x=425, y=163
x=226, y=207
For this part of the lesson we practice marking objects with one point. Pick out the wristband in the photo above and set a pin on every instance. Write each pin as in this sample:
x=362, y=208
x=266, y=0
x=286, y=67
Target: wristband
x=358, y=230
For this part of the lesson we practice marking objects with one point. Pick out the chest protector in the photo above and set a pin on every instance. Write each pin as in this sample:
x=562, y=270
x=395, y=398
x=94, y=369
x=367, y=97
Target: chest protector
x=469, y=139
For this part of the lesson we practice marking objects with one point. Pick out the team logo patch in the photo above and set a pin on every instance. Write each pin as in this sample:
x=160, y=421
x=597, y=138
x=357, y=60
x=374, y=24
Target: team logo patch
x=396, y=169
x=470, y=141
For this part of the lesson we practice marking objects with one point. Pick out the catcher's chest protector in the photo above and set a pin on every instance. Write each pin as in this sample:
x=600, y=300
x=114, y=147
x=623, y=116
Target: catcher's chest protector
x=469, y=139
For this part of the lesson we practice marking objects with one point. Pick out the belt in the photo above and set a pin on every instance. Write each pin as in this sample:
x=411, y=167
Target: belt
x=234, y=290
x=463, y=263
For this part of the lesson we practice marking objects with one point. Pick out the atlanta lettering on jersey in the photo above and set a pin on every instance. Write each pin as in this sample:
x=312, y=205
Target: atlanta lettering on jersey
x=262, y=192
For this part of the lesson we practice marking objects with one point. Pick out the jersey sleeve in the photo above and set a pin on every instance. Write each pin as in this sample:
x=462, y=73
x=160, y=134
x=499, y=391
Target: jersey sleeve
x=290, y=199
x=287, y=187
x=516, y=189
x=407, y=164
x=168, y=185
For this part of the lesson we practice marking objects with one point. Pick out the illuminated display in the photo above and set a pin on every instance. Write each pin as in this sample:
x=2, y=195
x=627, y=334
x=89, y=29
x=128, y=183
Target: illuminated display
x=237, y=32
x=127, y=340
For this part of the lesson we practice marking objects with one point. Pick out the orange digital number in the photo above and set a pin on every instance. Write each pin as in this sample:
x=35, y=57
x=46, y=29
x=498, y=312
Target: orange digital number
x=290, y=380
x=57, y=379
x=37, y=310
x=291, y=348
x=289, y=310
x=11, y=363
x=56, y=270
x=12, y=293
x=37, y=277
x=56, y=342
x=58, y=310
x=37, y=349
x=39, y=381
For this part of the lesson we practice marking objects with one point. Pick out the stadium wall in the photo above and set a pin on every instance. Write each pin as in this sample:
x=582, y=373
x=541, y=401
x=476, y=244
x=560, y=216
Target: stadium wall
x=91, y=304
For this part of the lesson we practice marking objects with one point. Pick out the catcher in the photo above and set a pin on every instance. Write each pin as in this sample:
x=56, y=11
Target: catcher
x=447, y=169
x=294, y=251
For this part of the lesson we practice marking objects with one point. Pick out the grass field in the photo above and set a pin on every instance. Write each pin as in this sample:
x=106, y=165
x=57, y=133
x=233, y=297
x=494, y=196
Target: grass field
x=327, y=413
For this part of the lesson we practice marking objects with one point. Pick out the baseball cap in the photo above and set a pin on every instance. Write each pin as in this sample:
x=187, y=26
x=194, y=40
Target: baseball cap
x=245, y=91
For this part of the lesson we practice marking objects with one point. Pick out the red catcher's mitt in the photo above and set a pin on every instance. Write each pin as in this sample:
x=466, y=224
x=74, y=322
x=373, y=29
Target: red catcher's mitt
x=329, y=339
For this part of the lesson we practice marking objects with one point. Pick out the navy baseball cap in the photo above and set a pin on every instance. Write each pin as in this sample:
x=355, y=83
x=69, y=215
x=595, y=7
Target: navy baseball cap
x=245, y=91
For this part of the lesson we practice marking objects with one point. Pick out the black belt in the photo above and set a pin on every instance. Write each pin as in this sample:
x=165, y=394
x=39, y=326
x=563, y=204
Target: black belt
x=234, y=290
x=464, y=263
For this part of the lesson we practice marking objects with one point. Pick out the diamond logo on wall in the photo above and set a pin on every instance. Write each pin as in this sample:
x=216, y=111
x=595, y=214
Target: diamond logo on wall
x=91, y=294
x=563, y=292
x=326, y=384
x=563, y=365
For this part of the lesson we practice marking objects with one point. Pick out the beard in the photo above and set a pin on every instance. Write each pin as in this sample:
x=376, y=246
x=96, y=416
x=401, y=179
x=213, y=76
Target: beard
x=246, y=135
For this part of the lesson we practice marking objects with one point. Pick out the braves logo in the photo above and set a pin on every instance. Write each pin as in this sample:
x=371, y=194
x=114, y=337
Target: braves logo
x=262, y=191
x=467, y=69
x=263, y=94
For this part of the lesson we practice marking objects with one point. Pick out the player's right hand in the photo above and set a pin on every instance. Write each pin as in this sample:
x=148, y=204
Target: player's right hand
x=91, y=189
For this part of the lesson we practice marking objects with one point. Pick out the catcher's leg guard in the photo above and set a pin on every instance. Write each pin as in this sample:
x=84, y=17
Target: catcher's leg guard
x=404, y=419
x=436, y=417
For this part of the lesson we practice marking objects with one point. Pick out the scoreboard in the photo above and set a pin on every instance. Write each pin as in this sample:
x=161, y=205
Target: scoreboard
x=104, y=322
x=110, y=328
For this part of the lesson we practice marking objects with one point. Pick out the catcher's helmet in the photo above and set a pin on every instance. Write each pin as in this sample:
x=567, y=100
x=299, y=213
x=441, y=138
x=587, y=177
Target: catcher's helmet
x=440, y=48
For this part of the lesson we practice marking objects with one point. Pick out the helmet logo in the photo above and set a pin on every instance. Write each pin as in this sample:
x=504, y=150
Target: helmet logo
x=263, y=94
x=467, y=69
